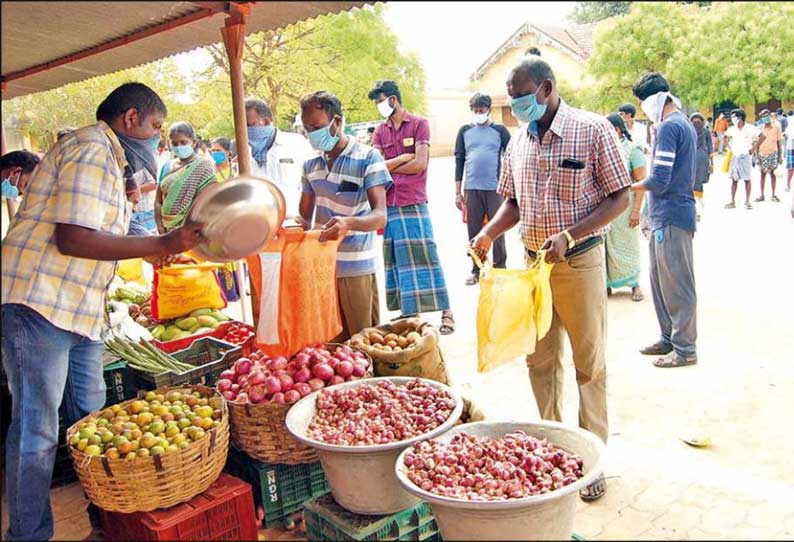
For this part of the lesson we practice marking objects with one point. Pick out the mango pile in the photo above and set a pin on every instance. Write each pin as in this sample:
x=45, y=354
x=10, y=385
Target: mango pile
x=197, y=322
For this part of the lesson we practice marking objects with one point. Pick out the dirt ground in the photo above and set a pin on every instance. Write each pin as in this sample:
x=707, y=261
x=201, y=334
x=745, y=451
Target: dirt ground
x=739, y=394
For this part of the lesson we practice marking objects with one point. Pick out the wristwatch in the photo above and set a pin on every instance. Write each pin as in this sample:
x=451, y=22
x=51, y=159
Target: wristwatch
x=571, y=240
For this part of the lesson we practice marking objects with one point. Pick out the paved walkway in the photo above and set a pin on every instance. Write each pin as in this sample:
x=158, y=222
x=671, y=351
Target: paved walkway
x=740, y=393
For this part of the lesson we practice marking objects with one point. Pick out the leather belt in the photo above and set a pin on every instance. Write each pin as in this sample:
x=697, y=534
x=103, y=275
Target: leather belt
x=580, y=248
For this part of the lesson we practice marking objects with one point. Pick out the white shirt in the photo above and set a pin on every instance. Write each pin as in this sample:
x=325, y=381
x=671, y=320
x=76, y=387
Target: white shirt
x=742, y=140
x=284, y=166
x=790, y=128
x=639, y=134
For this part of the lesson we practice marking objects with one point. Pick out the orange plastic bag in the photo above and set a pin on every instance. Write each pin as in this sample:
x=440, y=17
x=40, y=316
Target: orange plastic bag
x=178, y=290
x=295, y=281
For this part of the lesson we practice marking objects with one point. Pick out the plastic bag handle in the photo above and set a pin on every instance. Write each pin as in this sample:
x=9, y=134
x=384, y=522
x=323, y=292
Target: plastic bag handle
x=539, y=259
x=476, y=258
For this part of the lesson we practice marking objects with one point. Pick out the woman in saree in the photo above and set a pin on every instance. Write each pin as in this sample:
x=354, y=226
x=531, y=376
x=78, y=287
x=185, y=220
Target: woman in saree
x=182, y=179
x=623, y=238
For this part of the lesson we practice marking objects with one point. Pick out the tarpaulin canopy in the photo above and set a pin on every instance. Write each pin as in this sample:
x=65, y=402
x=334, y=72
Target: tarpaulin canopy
x=46, y=45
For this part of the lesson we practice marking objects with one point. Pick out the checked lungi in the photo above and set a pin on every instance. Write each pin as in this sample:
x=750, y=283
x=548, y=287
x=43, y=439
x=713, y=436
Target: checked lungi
x=414, y=278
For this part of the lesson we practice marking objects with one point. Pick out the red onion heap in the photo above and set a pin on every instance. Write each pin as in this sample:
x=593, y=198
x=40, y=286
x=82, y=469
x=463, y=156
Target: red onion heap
x=379, y=413
x=485, y=469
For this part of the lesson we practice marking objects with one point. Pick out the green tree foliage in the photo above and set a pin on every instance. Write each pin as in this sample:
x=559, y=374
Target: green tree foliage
x=709, y=54
x=344, y=54
x=592, y=12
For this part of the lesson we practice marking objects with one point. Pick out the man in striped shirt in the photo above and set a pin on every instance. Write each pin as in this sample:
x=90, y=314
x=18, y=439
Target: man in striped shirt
x=672, y=220
x=344, y=190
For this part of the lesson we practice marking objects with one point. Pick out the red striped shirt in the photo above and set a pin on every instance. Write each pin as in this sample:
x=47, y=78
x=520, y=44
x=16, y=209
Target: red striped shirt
x=552, y=198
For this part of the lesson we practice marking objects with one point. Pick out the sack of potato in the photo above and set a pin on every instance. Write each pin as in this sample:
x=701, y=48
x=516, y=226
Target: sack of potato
x=407, y=347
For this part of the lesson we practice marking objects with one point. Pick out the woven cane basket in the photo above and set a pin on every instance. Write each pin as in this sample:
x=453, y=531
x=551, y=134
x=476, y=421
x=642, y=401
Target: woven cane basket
x=148, y=483
x=260, y=429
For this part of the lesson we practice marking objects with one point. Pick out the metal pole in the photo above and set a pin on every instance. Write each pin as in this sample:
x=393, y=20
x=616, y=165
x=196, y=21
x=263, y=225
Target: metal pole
x=234, y=40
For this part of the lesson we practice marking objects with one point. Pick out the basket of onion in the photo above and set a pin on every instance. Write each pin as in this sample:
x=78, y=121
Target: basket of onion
x=503, y=480
x=359, y=429
x=259, y=391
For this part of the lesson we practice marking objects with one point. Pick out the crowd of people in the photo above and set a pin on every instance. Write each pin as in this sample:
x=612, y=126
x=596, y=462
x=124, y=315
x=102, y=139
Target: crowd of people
x=580, y=186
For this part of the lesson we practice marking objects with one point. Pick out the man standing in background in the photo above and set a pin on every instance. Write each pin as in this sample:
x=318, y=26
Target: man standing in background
x=639, y=133
x=414, y=278
x=743, y=140
x=671, y=206
x=478, y=151
x=720, y=127
x=769, y=152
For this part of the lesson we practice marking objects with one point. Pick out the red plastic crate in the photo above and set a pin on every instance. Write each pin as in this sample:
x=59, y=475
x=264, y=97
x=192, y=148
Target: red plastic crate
x=180, y=344
x=224, y=512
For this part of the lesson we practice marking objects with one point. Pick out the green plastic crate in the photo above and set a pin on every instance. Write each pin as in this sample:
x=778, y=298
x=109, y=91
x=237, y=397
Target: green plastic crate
x=280, y=489
x=326, y=520
x=118, y=383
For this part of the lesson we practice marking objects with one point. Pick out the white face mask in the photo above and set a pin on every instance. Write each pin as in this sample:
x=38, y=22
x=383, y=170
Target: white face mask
x=650, y=106
x=385, y=109
x=479, y=118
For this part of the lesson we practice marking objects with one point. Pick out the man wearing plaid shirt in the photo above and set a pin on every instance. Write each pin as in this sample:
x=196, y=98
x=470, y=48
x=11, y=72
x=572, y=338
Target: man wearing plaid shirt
x=58, y=259
x=563, y=181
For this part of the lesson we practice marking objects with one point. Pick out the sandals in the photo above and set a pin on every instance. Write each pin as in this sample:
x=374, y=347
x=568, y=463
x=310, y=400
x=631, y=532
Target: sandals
x=447, y=324
x=595, y=490
x=748, y=206
x=775, y=199
x=637, y=295
x=673, y=359
x=657, y=349
x=472, y=280
x=730, y=205
x=759, y=199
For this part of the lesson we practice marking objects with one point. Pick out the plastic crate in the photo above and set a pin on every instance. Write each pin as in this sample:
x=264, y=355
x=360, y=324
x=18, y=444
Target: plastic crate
x=210, y=357
x=118, y=382
x=326, y=520
x=279, y=489
x=217, y=333
x=225, y=511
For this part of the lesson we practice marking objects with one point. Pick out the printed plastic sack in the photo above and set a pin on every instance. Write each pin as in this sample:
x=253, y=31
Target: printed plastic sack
x=726, y=163
x=131, y=270
x=514, y=311
x=294, y=280
x=180, y=289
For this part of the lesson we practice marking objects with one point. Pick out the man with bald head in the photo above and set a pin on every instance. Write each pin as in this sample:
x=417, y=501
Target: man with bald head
x=564, y=181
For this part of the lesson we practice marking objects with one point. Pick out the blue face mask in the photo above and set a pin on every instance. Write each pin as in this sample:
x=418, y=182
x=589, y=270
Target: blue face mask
x=10, y=190
x=527, y=109
x=218, y=157
x=322, y=140
x=183, y=151
x=259, y=138
x=152, y=143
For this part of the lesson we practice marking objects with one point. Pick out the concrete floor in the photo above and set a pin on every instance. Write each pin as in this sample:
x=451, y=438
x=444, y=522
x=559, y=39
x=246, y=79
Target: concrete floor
x=739, y=394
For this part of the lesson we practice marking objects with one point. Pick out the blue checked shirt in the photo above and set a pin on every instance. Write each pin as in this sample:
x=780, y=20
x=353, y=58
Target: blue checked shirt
x=343, y=192
x=80, y=182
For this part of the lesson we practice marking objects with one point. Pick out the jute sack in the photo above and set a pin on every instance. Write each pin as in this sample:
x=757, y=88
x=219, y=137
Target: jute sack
x=423, y=360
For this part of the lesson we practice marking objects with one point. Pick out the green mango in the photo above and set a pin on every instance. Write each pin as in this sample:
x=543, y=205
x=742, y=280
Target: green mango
x=219, y=316
x=207, y=321
x=186, y=323
x=169, y=333
x=201, y=312
x=158, y=331
x=201, y=330
x=180, y=335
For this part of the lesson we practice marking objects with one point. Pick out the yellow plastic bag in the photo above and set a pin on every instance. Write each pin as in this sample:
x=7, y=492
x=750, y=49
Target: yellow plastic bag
x=131, y=270
x=726, y=163
x=514, y=311
x=180, y=289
